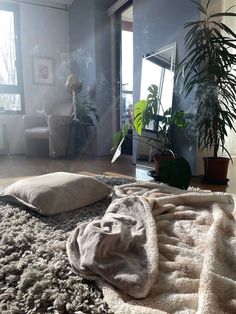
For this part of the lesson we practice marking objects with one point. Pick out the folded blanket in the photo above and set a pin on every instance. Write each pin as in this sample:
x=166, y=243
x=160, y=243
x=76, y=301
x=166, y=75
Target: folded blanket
x=175, y=249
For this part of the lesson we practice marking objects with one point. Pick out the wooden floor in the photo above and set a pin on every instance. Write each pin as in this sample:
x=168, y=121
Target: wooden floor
x=13, y=168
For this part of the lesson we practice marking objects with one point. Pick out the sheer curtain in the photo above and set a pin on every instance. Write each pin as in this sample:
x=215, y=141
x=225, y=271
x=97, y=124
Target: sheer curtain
x=230, y=22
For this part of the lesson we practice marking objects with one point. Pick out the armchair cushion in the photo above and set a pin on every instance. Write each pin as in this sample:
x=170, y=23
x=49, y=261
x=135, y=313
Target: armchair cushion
x=60, y=109
x=55, y=125
x=57, y=121
x=56, y=192
x=37, y=133
x=29, y=122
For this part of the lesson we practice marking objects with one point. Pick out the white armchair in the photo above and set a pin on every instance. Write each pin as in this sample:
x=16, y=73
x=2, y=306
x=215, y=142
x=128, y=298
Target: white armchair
x=51, y=135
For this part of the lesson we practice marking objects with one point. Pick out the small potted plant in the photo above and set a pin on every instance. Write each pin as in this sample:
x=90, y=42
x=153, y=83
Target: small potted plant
x=209, y=70
x=167, y=164
x=85, y=112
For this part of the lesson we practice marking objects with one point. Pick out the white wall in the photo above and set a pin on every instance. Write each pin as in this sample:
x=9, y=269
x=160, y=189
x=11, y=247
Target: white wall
x=44, y=33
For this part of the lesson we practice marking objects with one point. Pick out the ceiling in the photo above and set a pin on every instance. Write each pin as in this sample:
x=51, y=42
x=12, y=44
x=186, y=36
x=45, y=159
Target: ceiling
x=63, y=2
x=127, y=15
x=55, y=3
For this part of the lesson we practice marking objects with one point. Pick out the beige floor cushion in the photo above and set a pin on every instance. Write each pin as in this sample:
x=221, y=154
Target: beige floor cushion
x=56, y=192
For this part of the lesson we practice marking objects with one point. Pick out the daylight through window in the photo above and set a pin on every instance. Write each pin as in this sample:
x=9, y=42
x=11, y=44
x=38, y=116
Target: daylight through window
x=10, y=61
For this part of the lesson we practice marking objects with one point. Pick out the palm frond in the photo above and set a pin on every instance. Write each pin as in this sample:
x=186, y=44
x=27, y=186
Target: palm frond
x=222, y=14
x=200, y=7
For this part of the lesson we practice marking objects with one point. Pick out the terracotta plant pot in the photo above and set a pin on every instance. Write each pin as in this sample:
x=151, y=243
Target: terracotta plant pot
x=216, y=170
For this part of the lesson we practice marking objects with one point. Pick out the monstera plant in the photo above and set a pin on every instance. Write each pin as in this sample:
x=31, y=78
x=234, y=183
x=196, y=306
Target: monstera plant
x=171, y=169
x=209, y=70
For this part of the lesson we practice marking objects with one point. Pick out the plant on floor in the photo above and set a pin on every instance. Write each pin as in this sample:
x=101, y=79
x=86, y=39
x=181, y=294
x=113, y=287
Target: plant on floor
x=85, y=111
x=209, y=68
x=150, y=111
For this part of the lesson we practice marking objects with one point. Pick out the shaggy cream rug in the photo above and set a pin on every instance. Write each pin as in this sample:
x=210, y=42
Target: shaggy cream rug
x=35, y=275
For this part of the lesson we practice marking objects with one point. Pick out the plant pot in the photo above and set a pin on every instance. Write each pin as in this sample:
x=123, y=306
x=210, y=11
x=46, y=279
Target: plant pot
x=127, y=146
x=172, y=170
x=158, y=158
x=216, y=170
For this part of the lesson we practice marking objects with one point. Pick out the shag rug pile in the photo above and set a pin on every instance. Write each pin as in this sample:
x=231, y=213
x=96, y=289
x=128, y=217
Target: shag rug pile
x=35, y=275
x=184, y=250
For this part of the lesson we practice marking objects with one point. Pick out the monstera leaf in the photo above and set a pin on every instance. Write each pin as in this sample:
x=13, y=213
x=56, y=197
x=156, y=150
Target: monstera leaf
x=146, y=111
x=139, y=115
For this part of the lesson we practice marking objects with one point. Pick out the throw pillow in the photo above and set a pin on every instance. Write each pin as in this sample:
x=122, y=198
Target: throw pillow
x=56, y=192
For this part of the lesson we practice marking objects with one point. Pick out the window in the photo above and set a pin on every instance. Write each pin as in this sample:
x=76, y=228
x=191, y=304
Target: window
x=158, y=69
x=11, y=83
x=162, y=75
x=126, y=67
x=124, y=64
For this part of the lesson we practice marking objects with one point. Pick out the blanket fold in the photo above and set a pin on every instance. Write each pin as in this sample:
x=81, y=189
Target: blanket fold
x=121, y=247
x=166, y=250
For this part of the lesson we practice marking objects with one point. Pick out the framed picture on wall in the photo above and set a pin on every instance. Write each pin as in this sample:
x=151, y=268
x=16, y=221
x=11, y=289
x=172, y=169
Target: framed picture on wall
x=43, y=70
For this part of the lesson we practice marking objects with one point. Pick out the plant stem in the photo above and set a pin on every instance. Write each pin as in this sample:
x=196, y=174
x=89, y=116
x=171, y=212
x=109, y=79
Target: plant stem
x=141, y=141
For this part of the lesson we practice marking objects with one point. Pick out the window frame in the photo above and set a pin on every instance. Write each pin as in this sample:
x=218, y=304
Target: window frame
x=164, y=66
x=118, y=61
x=19, y=88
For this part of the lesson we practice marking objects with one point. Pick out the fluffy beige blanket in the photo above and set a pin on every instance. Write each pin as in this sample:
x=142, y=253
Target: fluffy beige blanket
x=161, y=250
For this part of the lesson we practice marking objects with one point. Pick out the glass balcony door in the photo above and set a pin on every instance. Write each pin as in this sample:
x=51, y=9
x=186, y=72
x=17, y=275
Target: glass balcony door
x=124, y=65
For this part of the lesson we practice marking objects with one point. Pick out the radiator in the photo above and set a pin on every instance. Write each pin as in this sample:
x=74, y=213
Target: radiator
x=3, y=140
x=2, y=129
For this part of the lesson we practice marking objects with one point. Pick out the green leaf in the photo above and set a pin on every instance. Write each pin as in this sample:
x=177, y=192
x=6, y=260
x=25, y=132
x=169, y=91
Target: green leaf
x=117, y=139
x=153, y=89
x=179, y=119
x=125, y=130
x=227, y=29
x=222, y=14
x=139, y=111
x=200, y=7
x=207, y=5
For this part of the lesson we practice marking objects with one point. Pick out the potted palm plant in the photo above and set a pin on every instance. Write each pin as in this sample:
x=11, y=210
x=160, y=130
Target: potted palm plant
x=171, y=169
x=208, y=69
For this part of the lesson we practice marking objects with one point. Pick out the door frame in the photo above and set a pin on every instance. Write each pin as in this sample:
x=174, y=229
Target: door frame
x=115, y=12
